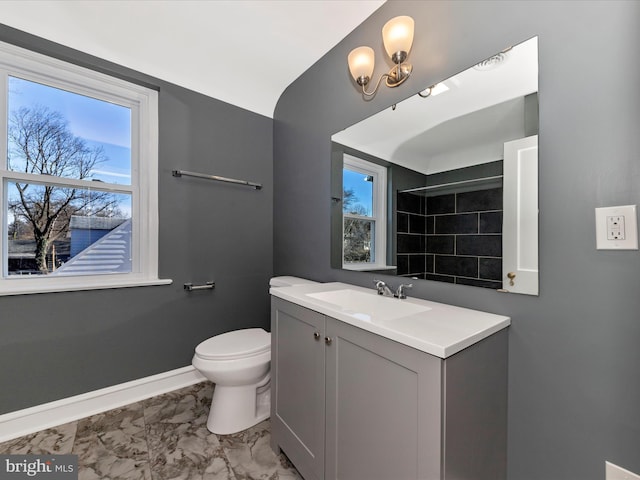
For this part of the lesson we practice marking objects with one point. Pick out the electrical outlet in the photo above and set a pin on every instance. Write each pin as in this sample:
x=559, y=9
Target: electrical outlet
x=614, y=472
x=617, y=228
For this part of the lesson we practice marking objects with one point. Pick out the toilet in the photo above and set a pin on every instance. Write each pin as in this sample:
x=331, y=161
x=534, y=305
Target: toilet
x=238, y=362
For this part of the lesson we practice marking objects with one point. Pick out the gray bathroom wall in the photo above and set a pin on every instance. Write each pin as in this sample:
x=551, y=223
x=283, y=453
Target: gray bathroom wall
x=574, y=361
x=61, y=344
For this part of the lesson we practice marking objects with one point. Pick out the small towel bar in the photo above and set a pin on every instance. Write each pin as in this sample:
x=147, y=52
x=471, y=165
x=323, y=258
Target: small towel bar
x=190, y=287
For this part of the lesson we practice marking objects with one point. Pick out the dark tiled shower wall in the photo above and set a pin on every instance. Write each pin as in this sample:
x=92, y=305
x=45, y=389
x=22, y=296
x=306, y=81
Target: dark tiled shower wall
x=455, y=237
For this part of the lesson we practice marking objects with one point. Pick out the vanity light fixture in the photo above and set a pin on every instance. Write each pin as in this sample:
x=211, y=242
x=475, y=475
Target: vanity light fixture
x=397, y=35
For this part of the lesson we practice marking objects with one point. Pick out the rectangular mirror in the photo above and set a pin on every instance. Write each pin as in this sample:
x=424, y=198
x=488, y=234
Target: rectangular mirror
x=444, y=185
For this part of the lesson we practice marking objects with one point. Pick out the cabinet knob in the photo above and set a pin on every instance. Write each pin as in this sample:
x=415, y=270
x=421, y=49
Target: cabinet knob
x=511, y=276
x=327, y=340
x=316, y=335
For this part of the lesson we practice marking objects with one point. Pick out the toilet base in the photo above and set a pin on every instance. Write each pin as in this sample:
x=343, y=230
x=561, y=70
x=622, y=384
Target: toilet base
x=236, y=408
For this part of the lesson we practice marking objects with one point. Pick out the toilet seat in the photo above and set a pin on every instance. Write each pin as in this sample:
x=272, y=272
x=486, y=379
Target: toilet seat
x=235, y=345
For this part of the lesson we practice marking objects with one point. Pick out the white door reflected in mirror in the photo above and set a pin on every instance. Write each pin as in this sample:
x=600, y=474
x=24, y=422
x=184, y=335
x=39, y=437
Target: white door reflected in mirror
x=520, y=216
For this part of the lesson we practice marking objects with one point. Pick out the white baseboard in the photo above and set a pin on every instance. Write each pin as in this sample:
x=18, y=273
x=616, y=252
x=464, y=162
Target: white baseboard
x=33, y=419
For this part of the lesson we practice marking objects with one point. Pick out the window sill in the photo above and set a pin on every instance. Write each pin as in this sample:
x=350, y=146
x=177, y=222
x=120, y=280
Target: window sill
x=76, y=284
x=365, y=267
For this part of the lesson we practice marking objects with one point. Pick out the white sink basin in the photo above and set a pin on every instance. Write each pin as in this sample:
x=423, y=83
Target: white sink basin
x=368, y=306
x=431, y=327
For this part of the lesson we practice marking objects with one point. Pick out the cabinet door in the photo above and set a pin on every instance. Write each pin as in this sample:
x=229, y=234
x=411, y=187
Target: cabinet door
x=297, y=393
x=383, y=408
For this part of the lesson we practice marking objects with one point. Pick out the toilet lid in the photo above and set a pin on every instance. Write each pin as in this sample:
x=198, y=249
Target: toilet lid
x=288, y=281
x=235, y=344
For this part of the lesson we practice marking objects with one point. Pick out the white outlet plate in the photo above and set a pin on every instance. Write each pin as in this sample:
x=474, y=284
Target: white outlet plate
x=614, y=472
x=629, y=219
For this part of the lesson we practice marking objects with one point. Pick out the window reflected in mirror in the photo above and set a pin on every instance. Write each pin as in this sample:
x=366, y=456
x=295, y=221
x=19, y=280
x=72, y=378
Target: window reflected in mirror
x=364, y=206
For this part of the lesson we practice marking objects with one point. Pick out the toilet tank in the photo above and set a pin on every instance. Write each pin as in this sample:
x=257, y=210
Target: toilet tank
x=287, y=281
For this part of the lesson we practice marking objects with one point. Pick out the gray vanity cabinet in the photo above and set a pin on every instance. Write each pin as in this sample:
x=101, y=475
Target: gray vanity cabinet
x=297, y=386
x=352, y=405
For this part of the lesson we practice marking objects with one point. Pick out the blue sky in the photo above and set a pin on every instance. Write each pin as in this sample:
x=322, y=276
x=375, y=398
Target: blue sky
x=98, y=122
x=363, y=190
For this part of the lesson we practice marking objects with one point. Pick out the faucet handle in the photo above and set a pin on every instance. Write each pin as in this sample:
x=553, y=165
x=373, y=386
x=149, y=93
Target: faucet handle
x=379, y=283
x=383, y=288
x=400, y=291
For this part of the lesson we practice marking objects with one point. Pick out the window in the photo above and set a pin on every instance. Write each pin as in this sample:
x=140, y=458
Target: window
x=363, y=214
x=78, y=177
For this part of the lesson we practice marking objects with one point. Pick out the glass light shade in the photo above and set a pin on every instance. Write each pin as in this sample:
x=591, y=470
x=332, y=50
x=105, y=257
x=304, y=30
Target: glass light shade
x=361, y=62
x=397, y=35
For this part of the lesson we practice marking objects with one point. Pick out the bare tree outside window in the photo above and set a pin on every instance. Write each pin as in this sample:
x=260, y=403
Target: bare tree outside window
x=41, y=142
x=357, y=232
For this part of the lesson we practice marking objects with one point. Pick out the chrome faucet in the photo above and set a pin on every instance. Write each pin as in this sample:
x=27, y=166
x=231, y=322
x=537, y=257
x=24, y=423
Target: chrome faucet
x=383, y=289
x=400, y=293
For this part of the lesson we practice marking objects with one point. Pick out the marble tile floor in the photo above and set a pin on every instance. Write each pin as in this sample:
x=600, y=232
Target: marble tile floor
x=161, y=438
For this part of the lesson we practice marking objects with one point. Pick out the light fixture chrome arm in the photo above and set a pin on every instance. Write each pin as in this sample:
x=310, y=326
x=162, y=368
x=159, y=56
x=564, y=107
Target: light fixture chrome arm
x=396, y=76
x=364, y=84
x=428, y=90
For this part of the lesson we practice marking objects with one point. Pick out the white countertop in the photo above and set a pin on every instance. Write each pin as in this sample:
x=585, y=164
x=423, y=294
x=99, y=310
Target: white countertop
x=435, y=328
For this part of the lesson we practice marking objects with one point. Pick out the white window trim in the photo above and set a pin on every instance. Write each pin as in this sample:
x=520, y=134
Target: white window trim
x=143, y=102
x=379, y=214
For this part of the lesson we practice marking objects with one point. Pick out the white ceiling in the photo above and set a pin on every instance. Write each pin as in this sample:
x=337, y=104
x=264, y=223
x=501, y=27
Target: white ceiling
x=244, y=52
